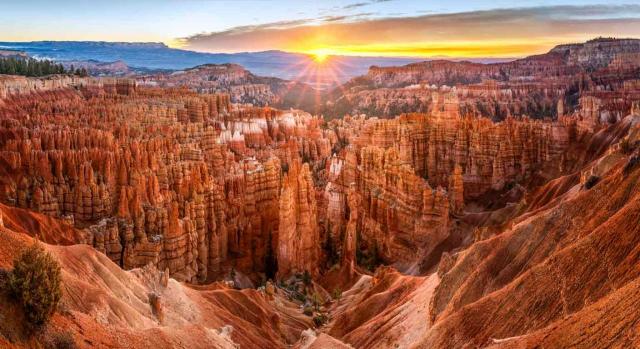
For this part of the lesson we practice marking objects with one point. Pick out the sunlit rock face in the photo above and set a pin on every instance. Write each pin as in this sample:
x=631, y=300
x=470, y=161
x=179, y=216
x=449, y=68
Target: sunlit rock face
x=182, y=180
x=239, y=83
x=190, y=182
x=187, y=180
x=510, y=199
x=298, y=237
x=531, y=86
x=416, y=170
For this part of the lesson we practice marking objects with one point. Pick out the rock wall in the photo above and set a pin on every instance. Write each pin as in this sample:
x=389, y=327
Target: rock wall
x=298, y=235
x=239, y=83
x=190, y=182
x=182, y=180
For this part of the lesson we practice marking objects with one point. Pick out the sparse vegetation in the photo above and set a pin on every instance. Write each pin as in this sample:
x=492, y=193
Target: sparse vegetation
x=308, y=311
x=320, y=319
x=591, y=181
x=632, y=163
x=60, y=340
x=316, y=299
x=36, y=282
x=35, y=67
x=626, y=146
x=306, y=278
x=368, y=257
x=299, y=296
x=337, y=293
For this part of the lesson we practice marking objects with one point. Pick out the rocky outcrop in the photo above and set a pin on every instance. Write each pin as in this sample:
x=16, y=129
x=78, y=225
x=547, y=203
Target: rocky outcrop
x=350, y=244
x=490, y=155
x=392, y=211
x=298, y=235
x=456, y=190
x=11, y=85
x=239, y=83
x=494, y=227
x=599, y=52
x=531, y=86
x=168, y=177
x=110, y=307
x=521, y=271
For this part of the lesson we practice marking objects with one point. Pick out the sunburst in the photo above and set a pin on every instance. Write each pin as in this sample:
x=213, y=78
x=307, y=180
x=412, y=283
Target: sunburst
x=320, y=55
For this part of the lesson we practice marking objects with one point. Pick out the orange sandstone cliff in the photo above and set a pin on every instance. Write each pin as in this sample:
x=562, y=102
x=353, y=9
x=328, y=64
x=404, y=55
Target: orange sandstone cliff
x=498, y=208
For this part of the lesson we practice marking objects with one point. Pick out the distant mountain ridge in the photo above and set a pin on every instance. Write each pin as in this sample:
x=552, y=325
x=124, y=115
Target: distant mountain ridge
x=158, y=56
x=565, y=59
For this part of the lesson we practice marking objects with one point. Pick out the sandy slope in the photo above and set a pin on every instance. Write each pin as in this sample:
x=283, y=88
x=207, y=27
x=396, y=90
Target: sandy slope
x=106, y=307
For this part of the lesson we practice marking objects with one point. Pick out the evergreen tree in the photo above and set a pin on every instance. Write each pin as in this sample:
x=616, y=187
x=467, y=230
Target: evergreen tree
x=35, y=67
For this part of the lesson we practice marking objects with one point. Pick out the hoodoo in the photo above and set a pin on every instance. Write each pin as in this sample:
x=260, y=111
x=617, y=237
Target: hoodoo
x=432, y=204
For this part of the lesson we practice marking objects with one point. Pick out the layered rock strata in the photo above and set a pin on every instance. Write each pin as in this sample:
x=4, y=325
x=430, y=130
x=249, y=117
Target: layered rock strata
x=163, y=176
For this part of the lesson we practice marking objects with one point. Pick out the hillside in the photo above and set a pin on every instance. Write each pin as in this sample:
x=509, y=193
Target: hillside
x=501, y=214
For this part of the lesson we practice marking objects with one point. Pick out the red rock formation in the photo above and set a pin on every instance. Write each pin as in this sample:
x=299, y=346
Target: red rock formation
x=532, y=86
x=151, y=173
x=351, y=230
x=109, y=307
x=456, y=190
x=515, y=233
x=298, y=235
x=242, y=85
x=606, y=210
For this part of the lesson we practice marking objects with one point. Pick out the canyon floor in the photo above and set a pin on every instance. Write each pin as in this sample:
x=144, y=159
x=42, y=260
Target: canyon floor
x=451, y=205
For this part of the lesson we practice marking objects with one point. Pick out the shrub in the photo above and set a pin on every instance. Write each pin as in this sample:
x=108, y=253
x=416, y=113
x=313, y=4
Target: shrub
x=625, y=146
x=320, y=320
x=591, y=181
x=308, y=311
x=35, y=281
x=306, y=278
x=60, y=340
x=633, y=161
x=316, y=300
x=337, y=293
x=299, y=296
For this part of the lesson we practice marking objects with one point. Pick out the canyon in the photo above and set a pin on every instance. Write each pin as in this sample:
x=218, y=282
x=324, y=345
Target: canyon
x=450, y=205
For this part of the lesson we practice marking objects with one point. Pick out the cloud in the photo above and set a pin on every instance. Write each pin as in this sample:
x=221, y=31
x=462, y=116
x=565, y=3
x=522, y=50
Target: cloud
x=497, y=33
x=362, y=4
x=356, y=5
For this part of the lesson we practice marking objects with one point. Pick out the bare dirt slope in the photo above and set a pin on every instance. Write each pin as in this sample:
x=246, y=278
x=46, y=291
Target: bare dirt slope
x=104, y=306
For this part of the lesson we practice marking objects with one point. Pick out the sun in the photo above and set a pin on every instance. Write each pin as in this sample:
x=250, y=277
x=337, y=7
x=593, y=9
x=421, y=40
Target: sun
x=320, y=55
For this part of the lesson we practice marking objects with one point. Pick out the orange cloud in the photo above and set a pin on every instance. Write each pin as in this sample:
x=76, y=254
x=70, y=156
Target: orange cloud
x=493, y=33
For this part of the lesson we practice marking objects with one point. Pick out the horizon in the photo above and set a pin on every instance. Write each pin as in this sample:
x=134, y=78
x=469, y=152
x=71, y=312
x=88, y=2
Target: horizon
x=272, y=50
x=345, y=174
x=438, y=57
x=371, y=28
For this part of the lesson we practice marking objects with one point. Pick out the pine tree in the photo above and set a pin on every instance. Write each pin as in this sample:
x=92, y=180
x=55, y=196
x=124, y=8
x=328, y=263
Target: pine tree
x=33, y=67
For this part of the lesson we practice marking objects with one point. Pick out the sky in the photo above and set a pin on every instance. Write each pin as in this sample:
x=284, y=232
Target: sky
x=421, y=28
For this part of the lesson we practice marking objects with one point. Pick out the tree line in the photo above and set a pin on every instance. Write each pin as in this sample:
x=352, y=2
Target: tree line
x=35, y=67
